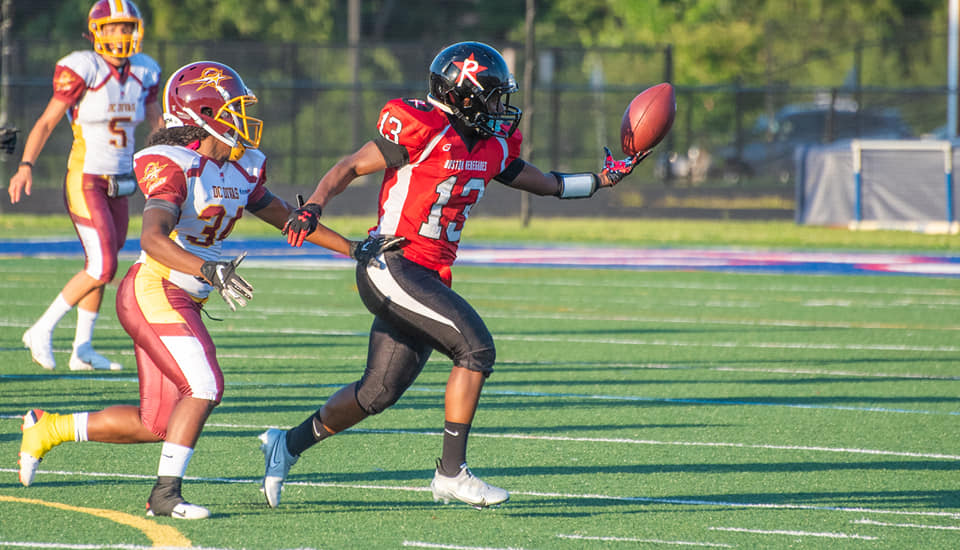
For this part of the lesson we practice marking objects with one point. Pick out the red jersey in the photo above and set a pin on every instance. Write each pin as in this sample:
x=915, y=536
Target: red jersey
x=427, y=201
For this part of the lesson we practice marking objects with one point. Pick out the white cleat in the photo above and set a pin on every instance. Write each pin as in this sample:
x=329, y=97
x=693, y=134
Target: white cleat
x=40, y=344
x=84, y=357
x=39, y=436
x=28, y=468
x=277, y=462
x=185, y=510
x=468, y=488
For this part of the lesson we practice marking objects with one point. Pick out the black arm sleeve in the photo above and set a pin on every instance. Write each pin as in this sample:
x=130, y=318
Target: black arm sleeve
x=511, y=172
x=266, y=199
x=163, y=205
x=396, y=155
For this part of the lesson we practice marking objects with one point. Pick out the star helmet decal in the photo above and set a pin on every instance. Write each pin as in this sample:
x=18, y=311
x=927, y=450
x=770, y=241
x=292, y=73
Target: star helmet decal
x=210, y=78
x=469, y=68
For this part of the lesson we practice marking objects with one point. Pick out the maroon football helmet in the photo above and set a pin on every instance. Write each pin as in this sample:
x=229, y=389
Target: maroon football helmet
x=212, y=96
x=105, y=12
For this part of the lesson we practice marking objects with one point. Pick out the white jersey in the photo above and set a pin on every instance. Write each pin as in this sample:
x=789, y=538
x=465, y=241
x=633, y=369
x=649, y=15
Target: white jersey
x=107, y=104
x=211, y=198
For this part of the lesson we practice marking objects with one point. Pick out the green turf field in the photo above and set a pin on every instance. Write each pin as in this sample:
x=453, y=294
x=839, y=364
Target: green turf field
x=628, y=410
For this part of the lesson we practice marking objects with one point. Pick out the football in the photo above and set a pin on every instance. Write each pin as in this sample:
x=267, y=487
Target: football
x=648, y=118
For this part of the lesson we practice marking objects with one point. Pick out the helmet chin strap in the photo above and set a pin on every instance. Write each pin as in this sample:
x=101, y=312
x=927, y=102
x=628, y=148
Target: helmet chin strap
x=452, y=111
x=203, y=124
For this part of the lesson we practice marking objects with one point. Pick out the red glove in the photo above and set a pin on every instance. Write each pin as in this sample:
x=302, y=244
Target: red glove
x=302, y=222
x=616, y=170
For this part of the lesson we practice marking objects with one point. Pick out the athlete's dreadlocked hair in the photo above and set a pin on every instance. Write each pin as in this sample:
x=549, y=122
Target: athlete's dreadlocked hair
x=179, y=135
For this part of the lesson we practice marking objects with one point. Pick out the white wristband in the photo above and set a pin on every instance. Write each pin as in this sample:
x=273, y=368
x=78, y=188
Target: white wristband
x=576, y=186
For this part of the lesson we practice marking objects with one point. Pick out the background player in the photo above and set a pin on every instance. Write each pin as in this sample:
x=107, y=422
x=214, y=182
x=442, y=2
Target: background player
x=198, y=174
x=105, y=94
x=437, y=157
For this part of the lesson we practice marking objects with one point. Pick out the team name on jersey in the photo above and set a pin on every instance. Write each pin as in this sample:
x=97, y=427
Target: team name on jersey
x=122, y=108
x=225, y=192
x=466, y=165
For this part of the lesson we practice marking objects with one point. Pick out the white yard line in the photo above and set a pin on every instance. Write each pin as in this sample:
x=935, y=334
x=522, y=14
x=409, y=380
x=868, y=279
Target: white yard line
x=421, y=544
x=907, y=525
x=568, y=496
x=794, y=533
x=647, y=541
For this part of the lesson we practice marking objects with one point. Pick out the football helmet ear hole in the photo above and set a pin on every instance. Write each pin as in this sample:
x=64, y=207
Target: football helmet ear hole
x=212, y=96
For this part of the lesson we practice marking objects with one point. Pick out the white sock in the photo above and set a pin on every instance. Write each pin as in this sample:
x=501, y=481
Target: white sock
x=174, y=459
x=54, y=313
x=80, y=426
x=85, y=321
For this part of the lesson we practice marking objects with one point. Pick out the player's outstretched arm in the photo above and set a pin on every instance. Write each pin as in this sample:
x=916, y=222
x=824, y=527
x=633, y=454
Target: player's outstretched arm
x=575, y=186
x=304, y=220
x=277, y=214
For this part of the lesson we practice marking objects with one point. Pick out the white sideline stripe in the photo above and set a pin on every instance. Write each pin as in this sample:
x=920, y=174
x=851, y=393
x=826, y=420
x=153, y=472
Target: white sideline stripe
x=722, y=444
x=642, y=442
x=762, y=345
x=421, y=544
x=911, y=525
x=648, y=541
x=794, y=533
x=626, y=398
x=749, y=285
x=618, y=364
x=767, y=447
x=425, y=489
x=606, y=341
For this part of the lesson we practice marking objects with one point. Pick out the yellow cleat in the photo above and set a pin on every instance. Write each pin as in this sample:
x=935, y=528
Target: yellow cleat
x=42, y=431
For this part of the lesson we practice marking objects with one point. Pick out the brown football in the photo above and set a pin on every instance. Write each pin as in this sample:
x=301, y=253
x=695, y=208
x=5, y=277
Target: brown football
x=648, y=118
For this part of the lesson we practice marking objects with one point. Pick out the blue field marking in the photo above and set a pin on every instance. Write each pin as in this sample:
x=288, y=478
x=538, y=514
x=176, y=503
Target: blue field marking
x=594, y=257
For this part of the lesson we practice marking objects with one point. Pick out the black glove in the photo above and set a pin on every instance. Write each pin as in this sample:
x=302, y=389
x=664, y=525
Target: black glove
x=8, y=140
x=301, y=222
x=616, y=170
x=365, y=252
x=223, y=276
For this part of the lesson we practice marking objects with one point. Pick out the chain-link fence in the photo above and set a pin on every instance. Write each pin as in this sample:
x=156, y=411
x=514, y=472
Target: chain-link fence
x=319, y=102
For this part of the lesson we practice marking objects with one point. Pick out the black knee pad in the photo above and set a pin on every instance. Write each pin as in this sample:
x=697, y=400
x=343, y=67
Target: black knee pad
x=479, y=360
x=376, y=400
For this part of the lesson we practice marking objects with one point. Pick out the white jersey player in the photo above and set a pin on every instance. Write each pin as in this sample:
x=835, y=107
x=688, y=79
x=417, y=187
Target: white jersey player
x=199, y=175
x=105, y=94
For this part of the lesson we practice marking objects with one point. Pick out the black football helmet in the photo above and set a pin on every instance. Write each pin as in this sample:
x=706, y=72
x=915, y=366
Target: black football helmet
x=471, y=81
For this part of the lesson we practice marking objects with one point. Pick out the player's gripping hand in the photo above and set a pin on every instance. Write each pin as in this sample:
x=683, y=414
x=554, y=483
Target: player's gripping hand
x=365, y=252
x=615, y=170
x=232, y=287
x=301, y=222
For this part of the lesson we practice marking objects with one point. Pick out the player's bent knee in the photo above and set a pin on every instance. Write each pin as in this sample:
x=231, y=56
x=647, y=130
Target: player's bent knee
x=104, y=275
x=375, y=402
x=479, y=360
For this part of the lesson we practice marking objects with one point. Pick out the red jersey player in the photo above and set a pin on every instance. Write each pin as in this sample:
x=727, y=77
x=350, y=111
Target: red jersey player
x=437, y=157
